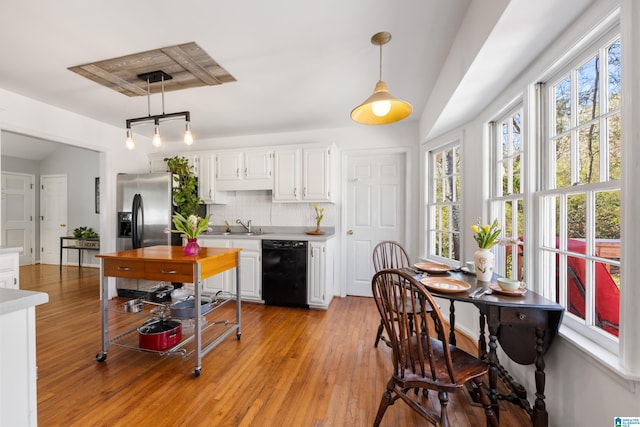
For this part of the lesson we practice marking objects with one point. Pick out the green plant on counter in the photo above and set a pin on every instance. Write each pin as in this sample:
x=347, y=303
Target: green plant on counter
x=185, y=194
x=85, y=233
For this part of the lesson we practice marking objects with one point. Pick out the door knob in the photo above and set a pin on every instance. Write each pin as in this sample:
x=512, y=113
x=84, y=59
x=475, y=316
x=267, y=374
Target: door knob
x=349, y=232
x=63, y=225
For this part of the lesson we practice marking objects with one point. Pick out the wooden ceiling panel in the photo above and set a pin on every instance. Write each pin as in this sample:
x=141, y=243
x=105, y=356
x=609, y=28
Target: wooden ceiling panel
x=187, y=64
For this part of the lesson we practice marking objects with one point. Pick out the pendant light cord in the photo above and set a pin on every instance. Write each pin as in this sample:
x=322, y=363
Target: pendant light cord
x=163, y=94
x=148, y=98
x=380, y=63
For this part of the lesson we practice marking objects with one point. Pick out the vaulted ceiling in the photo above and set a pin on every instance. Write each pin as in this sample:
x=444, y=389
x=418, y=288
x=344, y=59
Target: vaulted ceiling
x=298, y=65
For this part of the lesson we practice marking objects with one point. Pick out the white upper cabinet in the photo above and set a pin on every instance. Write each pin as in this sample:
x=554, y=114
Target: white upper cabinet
x=287, y=185
x=157, y=164
x=303, y=174
x=203, y=167
x=244, y=170
x=207, y=190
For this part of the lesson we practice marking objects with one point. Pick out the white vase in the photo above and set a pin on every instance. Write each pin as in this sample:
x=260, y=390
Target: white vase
x=484, y=260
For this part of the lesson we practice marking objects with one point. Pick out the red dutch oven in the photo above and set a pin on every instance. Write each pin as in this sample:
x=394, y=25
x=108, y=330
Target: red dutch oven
x=159, y=334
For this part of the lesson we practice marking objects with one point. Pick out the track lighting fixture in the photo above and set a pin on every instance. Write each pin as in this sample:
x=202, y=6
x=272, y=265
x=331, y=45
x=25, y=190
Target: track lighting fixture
x=156, y=141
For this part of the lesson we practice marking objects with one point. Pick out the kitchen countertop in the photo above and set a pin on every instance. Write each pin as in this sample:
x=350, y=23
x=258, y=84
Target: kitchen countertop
x=270, y=233
x=15, y=299
x=9, y=249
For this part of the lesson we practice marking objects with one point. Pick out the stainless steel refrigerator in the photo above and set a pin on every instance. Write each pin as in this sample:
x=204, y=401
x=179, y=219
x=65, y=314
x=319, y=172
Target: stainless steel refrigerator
x=144, y=204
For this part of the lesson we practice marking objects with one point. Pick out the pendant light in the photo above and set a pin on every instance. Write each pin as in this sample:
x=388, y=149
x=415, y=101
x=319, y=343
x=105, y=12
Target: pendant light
x=381, y=108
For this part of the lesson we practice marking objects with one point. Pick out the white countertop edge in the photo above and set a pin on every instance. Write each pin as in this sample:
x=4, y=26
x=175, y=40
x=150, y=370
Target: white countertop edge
x=10, y=249
x=15, y=299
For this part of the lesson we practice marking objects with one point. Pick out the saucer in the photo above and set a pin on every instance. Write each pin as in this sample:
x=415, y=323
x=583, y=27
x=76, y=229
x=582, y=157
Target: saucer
x=466, y=270
x=498, y=290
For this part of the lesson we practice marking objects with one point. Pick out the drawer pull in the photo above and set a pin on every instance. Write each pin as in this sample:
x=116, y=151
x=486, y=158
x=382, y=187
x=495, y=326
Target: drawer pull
x=168, y=272
x=124, y=268
x=522, y=316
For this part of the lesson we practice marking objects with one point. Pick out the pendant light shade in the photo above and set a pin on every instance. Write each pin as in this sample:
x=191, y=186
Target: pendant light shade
x=381, y=108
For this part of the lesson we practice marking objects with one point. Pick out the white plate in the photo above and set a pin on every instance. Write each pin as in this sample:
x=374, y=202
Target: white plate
x=466, y=270
x=445, y=285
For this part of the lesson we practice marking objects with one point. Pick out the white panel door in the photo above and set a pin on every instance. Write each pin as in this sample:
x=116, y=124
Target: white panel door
x=18, y=212
x=53, y=216
x=375, y=211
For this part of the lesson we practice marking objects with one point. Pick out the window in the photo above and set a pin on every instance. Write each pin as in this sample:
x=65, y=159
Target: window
x=580, y=203
x=443, y=203
x=507, y=200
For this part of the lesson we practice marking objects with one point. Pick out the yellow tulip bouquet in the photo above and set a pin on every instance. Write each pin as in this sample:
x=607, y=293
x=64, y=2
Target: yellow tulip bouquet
x=486, y=235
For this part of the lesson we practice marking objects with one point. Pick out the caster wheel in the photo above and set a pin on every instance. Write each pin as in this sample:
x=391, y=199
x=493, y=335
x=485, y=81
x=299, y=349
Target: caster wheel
x=196, y=372
x=238, y=336
x=101, y=357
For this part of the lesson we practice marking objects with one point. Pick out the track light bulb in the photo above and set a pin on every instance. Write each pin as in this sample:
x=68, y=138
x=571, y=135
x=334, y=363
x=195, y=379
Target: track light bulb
x=188, y=137
x=130, y=143
x=156, y=141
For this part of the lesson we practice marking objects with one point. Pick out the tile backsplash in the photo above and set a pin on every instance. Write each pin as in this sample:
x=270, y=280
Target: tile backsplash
x=258, y=207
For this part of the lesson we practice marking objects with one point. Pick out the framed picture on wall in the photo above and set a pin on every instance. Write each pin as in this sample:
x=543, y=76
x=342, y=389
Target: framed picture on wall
x=97, y=193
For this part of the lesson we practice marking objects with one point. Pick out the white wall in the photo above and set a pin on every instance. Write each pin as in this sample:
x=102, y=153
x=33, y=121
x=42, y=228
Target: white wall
x=81, y=168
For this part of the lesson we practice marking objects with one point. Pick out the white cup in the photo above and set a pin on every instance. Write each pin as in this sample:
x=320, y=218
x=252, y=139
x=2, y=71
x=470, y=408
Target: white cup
x=510, y=285
x=471, y=266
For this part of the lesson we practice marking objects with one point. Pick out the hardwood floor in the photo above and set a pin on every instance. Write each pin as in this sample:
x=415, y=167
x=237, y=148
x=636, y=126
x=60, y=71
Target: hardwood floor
x=292, y=367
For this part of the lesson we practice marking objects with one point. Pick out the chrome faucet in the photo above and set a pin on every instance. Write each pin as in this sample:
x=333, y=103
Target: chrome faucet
x=246, y=227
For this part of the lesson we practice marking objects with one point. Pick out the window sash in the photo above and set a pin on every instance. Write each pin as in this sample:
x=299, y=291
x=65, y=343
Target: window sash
x=443, y=203
x=562, y=154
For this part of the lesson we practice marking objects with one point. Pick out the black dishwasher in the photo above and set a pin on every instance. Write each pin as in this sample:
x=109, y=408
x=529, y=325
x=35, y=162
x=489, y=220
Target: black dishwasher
x=284, y=273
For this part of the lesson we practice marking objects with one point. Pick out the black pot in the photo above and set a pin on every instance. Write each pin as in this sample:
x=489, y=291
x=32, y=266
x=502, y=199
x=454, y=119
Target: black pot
x=159, y=334
x=161, y=293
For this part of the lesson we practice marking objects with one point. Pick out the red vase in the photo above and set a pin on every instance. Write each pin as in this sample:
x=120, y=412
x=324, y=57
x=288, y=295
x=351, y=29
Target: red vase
x=191, y=248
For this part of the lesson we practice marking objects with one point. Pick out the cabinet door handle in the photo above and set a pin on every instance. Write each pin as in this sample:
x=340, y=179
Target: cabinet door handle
x=168, y=272
x=295, y=192
x=304, y=192
x=246, y=173
x=238, y=172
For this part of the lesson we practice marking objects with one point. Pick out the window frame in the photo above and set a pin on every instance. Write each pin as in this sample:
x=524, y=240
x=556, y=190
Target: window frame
x=454, y=144
x=497, y=198
x=545, y=251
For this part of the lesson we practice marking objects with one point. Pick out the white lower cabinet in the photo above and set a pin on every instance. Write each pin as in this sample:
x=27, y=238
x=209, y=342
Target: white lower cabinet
x=18, y=370
x=218, y=282
x=250, y=269
x=9, y=270
x=321, y=274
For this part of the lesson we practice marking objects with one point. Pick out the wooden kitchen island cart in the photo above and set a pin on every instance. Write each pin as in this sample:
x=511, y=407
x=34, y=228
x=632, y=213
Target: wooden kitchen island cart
x=170, y=264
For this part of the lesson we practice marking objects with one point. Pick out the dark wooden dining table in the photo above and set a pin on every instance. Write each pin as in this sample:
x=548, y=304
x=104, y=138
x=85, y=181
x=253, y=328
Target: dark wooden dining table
x=523, y=325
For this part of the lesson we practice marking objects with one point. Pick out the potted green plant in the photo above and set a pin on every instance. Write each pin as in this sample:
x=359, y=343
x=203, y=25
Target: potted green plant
x=85, y=233
x=185, y=194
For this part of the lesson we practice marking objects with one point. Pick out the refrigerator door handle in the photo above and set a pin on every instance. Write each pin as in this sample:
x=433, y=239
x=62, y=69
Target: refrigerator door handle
x=137, y=221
